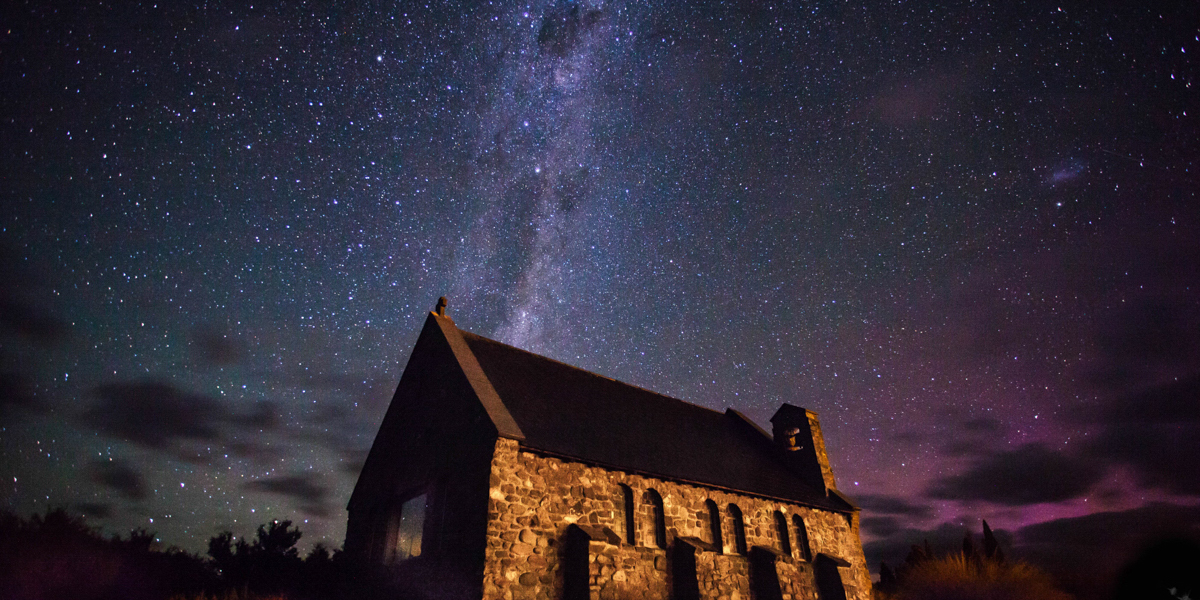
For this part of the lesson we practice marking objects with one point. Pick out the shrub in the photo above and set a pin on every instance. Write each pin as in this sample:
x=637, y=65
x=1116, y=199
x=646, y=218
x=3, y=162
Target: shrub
x=959, y=577
x=966, y=575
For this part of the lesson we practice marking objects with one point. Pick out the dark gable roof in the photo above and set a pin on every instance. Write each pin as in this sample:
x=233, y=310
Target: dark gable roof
x=570, y=412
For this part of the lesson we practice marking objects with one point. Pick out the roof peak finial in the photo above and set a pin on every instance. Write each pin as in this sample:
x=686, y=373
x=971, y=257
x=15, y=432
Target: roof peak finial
x=440, y=309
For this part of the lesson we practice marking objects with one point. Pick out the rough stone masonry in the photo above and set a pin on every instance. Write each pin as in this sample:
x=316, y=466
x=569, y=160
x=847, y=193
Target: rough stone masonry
x=505, y=475
x=534, y=499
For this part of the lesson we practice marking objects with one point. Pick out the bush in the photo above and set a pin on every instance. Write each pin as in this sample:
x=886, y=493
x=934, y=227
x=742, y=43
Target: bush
x=57, y=555
x=966, y=575
x=959, y=577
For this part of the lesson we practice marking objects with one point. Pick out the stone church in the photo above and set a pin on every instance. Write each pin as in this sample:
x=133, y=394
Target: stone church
x=500, y=474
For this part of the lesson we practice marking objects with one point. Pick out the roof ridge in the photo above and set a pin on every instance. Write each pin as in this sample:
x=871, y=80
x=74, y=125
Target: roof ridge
x=587, y=372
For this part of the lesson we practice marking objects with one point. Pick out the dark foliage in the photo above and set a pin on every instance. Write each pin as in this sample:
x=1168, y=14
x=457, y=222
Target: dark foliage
x=1169, y=569
x=971, y=573
x=57, y=555
x=272, y=564
x=991, y=548
x=887, y=577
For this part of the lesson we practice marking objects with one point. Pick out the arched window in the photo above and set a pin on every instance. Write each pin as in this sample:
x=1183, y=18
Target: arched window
x=629, y=517
x=781, y=528
x=739, y=529
x=714, y=525
x=801, y=538
x=659, y=517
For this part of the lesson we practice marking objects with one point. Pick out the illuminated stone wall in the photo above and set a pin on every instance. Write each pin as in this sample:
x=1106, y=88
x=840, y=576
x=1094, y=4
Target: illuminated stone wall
x=534, y=499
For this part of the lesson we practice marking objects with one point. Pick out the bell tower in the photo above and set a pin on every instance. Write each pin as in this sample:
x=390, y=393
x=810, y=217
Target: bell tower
x=797, y=433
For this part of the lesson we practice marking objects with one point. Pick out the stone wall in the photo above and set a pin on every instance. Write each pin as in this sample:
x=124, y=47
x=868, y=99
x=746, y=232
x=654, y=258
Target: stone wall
x=723, y=576
x=535, y=498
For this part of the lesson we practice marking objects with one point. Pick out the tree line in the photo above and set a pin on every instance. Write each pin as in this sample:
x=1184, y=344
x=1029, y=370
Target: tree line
x=57, y=555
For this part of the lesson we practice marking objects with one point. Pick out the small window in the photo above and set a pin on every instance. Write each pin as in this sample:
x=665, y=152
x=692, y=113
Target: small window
x=739, y=528
x=781, y=528
x=714, y=525
x=629, y=516
x=410, y=529
x=659, y=516
x=801, y=538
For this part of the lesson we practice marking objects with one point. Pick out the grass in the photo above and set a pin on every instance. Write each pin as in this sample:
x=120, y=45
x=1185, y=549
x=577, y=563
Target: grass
x=957, y=577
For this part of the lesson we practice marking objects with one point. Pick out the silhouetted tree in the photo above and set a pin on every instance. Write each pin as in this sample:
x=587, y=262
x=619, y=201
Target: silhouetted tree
x=57, y=555
x=269, y=565
x=231, y=560
x=320, y=575
x=991, y=547
x=278, y=539
x=887, y=578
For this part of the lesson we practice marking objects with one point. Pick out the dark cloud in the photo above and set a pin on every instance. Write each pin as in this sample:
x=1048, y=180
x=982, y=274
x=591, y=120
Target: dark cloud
x=22, y=306
x=1086, y=553
x=947, y=537
x=1156, y=433
x=156, y=414
x=96, y=510
x=347, y=382
x=1116, y=528
x=984, y=425
x=1162, y=456
x=1028, y=475
x=1175, y=403
x=880, y=526
x=975, y=437
x=1151, y=330
x=349, y=413
x=265, y=416
x=216, y=348
x=967, y=447
x=891, y=505
x=353, y=461
x=1140, y=341
x=31, y=323
x=303, y=487
x=119, y=476
x=16, y=395
x=252, y=449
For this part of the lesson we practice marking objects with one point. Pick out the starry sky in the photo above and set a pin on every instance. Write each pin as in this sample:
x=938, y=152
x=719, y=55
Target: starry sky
x=965, y=233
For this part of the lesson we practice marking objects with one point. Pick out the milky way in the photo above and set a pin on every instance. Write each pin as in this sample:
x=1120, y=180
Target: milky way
x=537, y=164
x=965, y=235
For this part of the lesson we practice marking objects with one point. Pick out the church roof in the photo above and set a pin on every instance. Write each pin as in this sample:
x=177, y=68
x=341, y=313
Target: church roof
x=566, y=411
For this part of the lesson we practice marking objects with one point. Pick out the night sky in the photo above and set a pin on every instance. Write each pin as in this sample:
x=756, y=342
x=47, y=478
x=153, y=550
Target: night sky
x=966, y=234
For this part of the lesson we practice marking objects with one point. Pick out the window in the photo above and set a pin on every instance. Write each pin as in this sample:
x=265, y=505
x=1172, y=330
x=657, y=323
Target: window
x=714, y=525
x=410, y=528
x=630, y=520
x=785, y=542
x=801, y=538
x=659, y=516
x=739, y=528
